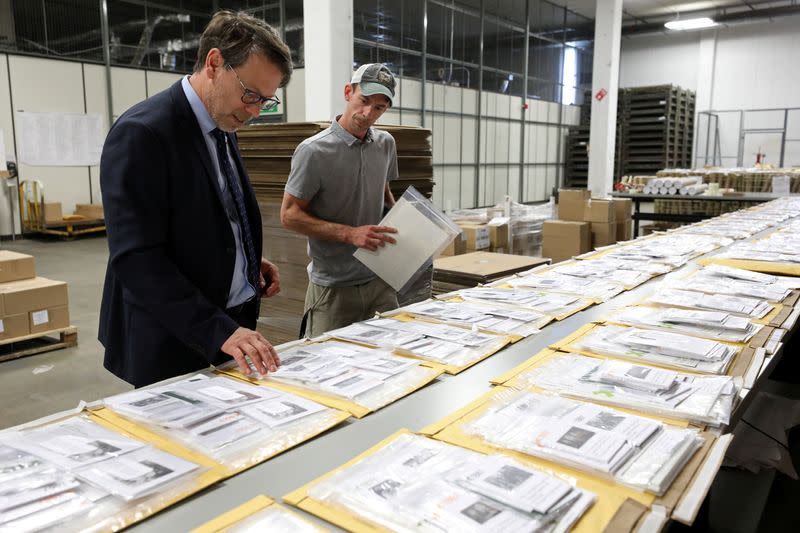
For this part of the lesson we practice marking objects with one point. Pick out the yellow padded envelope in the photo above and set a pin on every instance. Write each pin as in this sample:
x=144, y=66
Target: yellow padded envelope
x=784, y=269
x=244, y=511
x=139, y=431
x=213, y=474
x=601, y=512
x=613, y=495
x=737, y=368
x=329, y=400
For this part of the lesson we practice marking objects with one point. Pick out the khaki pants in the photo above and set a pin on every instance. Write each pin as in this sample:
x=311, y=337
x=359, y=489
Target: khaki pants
x=328, y=308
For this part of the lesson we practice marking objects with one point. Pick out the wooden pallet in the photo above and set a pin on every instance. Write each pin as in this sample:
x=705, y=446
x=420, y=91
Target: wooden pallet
x=45, y=341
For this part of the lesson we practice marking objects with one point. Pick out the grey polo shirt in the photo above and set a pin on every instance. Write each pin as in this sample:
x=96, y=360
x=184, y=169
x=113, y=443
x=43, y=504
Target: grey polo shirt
x=343, y=178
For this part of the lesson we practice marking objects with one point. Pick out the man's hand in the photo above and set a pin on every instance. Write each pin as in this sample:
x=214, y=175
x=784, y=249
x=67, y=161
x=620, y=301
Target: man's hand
x=246, y=342
x=371, y=237
x=269, y=281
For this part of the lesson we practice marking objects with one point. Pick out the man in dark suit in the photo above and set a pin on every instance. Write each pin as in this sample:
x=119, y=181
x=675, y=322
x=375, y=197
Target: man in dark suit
x=185, y=272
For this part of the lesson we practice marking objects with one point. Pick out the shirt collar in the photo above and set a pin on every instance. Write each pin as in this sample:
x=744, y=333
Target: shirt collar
x=198, y=107
x=348, y=137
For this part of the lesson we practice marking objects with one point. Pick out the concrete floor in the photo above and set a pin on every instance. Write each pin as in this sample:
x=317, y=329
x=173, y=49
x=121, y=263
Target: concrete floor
x=42, y=384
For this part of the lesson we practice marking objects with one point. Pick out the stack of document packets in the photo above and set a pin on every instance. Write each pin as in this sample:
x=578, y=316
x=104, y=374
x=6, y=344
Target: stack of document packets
x=439, y=343
x=369, y=377
x=232, y=421
x=780, y=247
x=419, y=484
x=712, y=280
x=672, y=250
x=633, y=450
x=705, y=324
x=699, y=399
x=76, y=470
x=549, y=303
x=626, y=273
x=754, y=308
x=660, y=347
x=600, y=290
x=497, y=318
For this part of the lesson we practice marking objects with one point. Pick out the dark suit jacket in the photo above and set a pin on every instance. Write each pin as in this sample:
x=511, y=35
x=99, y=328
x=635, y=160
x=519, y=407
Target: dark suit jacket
x=172, y=251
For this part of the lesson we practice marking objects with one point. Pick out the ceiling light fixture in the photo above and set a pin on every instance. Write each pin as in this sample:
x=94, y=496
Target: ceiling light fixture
x=690, y=24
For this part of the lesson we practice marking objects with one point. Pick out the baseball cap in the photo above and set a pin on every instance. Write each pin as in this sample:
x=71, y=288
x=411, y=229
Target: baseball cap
x=375, y=78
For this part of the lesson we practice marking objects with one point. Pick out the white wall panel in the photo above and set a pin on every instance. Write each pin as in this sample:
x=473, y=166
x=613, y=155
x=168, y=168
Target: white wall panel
x=411, y=118
x=127, y=88
x=467, y=186
x=504, y=105
x=391, y=116
x=452, y=140
x=501, y=139
x=32, y=90
x=468, y=128
x=159, y=81
x=6, y=126
x=410, y=93
x=295, y=93
x=451, y=190
x=500, y=189
x=438, y=189
x=436, y=123
x=94, y=79
x=470, y=99
x=514, y=134
x=452, y=98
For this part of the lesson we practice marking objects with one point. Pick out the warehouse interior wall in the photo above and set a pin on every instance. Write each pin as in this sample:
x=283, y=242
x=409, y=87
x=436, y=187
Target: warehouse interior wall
x=38, y=84
x=746, y=66
x=452, y=115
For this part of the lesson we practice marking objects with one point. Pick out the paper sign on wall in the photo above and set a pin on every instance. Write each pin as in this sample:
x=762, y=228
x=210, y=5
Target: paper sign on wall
x=60, y=139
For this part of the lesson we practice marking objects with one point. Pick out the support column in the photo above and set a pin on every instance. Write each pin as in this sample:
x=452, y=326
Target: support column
x=704, y=95
x=605, y=82
x=328, y=45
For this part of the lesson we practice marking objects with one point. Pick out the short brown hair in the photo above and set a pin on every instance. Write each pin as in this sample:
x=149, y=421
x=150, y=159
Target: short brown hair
x=237, y=35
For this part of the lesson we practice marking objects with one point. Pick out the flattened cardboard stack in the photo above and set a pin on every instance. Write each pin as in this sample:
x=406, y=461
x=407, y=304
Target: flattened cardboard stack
x=267, y=152
x=28, y=304
x=469, y=270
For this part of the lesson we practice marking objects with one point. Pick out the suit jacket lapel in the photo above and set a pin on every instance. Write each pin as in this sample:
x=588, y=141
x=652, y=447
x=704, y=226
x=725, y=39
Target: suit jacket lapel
x=197, y=140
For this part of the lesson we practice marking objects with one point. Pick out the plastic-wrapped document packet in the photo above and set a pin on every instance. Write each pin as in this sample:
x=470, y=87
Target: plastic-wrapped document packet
x=588, y=288
x=702, y=282
x=422, y=232
x=609, y=270
x=274, y=519
x=636, y=451
x=419, y=484
x=261, y=422
x=698, y=399
x=503, y=319
x=550, y=303
x=435, y=342
x=703, y=324
x=105, y=492
x=663, y=348
x=369, y=377
x=738, y=305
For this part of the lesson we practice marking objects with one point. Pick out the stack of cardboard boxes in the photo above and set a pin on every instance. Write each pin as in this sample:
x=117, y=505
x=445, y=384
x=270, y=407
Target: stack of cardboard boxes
x=493, y=236
x=28, y=304
x=585, y=223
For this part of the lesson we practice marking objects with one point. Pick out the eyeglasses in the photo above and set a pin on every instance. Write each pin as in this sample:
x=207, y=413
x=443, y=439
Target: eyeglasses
x=251, y=97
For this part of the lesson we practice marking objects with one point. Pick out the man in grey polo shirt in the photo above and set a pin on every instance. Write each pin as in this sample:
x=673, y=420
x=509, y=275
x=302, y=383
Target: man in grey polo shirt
x=336, y=192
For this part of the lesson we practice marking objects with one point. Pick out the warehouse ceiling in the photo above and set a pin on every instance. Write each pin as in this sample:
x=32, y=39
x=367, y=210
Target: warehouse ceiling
x=645, y=16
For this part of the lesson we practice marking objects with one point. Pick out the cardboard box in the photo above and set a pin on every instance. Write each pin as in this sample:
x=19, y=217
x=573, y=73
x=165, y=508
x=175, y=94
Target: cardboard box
x=563, y=239
x=498, y=235
x=14, y=326
x=599, y=210
x=15, y=266
x=623, y=208
x=48, y=319
x=52, y=212
x=477, y=237
x=604, y=233
x=21, y=297
x=90, y=211
x=571, y=203
x=458, y=246
x=624, y=230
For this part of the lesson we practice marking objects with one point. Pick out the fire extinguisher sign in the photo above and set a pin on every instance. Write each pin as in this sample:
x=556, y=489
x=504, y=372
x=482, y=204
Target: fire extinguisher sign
x=600, y=95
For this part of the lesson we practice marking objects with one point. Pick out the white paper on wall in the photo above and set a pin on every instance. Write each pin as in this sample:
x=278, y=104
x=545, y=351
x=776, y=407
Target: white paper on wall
x=60, y=139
